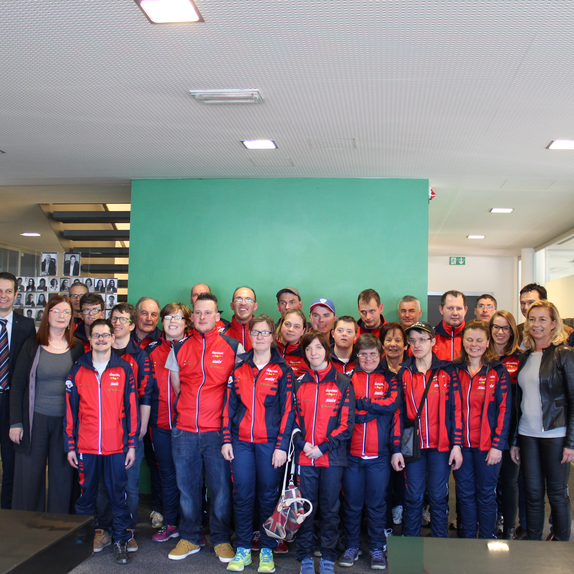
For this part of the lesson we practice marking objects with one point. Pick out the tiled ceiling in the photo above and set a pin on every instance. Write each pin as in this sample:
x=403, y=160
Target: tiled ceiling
x=465, y=93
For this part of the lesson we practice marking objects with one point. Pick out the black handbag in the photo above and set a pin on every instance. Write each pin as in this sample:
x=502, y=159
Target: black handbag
x=410, y=441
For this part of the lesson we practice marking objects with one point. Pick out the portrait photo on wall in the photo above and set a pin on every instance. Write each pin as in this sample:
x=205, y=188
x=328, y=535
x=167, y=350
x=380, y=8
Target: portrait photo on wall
x=21, y=284
x=64, y=285
x=19, y=301
x=39, y=315
x=111, y=300
x=30, y=300
x=112, y=286
x=30, y=283
x=40, y=299
x=29, y=313
x=99, y=285
x=41, y=284
x=53, y=285
x=89, y=283
x=71, y=265
x=49, y=264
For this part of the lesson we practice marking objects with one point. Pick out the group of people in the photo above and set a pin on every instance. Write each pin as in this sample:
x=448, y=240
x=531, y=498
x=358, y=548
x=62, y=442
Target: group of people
x=205, y=400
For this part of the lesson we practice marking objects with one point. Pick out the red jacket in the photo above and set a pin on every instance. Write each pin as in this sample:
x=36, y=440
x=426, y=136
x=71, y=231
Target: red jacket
x=325, y=415
x=441, y=417
x=485, y=408
x=205, y=365
x=239, y=331
x=143, y=371
x=377, y=429
x=293, y=356
x=150, y=338
x=101, y=414
x=363, y=329
x=259, y=403
x=448, y=341
x=343, y=368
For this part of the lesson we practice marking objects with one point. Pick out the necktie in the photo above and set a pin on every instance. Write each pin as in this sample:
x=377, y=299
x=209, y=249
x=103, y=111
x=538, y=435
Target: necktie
x=4, y=355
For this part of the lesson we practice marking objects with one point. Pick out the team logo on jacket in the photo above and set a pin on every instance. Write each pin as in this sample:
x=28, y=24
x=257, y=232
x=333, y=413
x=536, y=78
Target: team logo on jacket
x=69, y=384
x=216, y=357
x=331, y=395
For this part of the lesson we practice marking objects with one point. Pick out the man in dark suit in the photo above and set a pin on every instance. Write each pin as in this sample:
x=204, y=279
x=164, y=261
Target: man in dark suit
x=14, y=330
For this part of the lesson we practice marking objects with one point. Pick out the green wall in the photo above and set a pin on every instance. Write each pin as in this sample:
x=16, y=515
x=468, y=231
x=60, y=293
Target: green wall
x=327, y=237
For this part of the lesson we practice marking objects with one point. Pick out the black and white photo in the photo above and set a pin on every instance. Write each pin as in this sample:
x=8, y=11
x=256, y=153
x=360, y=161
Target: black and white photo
x=111, y=286
x=41, y=284
x=111, y=300
x=30, y=302
x=71, y=265
x=49, y=264
x=64, y=285
x=40, y=300
x=53, y=285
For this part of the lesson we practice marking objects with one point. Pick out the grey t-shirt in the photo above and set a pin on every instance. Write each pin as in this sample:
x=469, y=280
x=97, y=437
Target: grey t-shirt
x=51, y=377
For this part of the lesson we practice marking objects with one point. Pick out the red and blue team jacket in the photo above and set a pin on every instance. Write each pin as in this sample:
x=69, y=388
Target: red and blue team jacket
x=163, y=397
x=343, y=368
x=293, y=355
x=143, y=371
x=205, y=364
x=441, y=417
x=377, y=429
x=376, y=332
x=325, y=415
x=239, y=331
x=259, y=403
x=80, y=333
x=511, y=363
x=102, y=415
x=485, y=408
x=148, y=339
x=447, y=341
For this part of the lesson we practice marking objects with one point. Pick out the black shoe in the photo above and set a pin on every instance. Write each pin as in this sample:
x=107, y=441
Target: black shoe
x=520, y=534
x=121, y=552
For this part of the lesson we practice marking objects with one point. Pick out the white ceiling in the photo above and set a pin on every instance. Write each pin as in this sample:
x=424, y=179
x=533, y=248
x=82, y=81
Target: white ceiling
x=465, y=93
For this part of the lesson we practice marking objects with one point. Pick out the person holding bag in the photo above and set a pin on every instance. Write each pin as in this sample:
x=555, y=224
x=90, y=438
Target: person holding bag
x=429, y=403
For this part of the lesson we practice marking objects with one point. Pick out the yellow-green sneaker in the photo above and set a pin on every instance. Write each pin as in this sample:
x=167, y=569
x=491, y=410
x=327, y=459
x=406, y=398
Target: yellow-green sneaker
x=266, y=563
x=242, y=558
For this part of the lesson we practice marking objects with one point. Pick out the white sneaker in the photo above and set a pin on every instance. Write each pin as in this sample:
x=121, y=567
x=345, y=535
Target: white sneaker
x=397, y=514
x=156, y=519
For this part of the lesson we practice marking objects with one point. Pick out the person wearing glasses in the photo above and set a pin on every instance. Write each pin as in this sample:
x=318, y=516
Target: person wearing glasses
x=485, y=307
x=257, y=421
x=440, y=431
x=504, y=340
x=100, y=429
x=92, y=308
x=243, y=304
x=37, y=409
x=123, y=321
x=292, y=327
x=176, y=319
x=375, y=438
x=76, y=292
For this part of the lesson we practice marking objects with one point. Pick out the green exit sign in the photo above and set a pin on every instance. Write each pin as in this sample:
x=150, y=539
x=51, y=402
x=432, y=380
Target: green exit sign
x=457, y=260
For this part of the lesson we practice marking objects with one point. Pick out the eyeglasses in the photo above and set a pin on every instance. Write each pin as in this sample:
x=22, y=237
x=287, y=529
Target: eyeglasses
x=368, y=355
x=175, y=318
x=91, y=311
x=122, y=320
x=59, y=312
x=420, y=341
x=262, y=333
x=483, y=306
x=499, y=328
x=104, y=336
x=243, y=299
x=76, y=296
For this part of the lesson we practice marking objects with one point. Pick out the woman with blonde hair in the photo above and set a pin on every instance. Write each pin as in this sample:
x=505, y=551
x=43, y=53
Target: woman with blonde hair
x=544, y=441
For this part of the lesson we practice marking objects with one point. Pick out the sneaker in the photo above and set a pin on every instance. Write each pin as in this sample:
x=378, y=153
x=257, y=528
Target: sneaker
x=326, y=566
x=317, y=553
x=183, y=549
x=282, y=547
x=426, y=517
x=388, y=532
x=121, y=552
x=307, y=566
x=165, y=533
x=378, y=559
x=350, y=556
x=101, y=540
x=397, y=514
x=225, y=552
x=266, y=563
x=255, y=544
x=132, y=544
x=156, y=519
x=241, y=559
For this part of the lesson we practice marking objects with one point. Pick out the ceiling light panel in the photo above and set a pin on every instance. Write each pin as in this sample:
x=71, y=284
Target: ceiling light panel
x=501, y=210
x=475, y=236
x=170, y=11
x=251, y=96
x=259, y=144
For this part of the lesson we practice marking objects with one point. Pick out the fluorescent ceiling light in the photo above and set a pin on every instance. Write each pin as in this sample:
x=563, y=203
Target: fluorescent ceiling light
x=259, y=144
x=561, y=144
x=251, y=96
x=169, y=11
x=475, y=236
x=30, y=234
x=502, y=210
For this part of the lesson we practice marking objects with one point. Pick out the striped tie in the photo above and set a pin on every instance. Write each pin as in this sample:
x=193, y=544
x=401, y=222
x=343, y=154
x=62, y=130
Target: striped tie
x=4, y=355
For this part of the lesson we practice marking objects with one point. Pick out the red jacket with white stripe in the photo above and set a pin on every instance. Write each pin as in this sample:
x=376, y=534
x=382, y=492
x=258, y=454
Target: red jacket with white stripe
x=325, y=415
x=342, y=367
x=376, y=331
x=447, y=341
x=377, y=429
x=102, y=415
x=293, y=355
x=259, y=403
x=143, y=371
x=239, y=331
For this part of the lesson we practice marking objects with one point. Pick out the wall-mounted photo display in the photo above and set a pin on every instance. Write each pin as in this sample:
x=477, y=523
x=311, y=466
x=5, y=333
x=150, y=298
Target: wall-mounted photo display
x=29, y=313
x=71, y=265
x=89, y=283
x=49, y=264
x=111, y=300
x=30, y=300
x=30, y=283
x=99, y=285
x=50, y=295
x=41, y=284
x=53, y=285
x=39, y=315
x=20, y=284
x=64, y=285
x=19, y=301
x=40, y=300
x=112, y=286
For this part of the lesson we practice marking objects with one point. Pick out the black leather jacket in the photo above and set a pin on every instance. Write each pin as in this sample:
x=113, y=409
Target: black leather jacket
x=556, y=390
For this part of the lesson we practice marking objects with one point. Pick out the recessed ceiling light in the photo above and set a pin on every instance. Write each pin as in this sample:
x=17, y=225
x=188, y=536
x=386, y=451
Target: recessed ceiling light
x=561, y=144
x=250, y=96
x=502, y=210
x=170, y=11
x=475, y=236
x=259, y=144
x=31, y=234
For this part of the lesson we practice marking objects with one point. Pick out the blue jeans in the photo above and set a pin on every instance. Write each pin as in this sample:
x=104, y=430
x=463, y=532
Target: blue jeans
x=192, y=454
x=104, y=511
x=161, y=441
